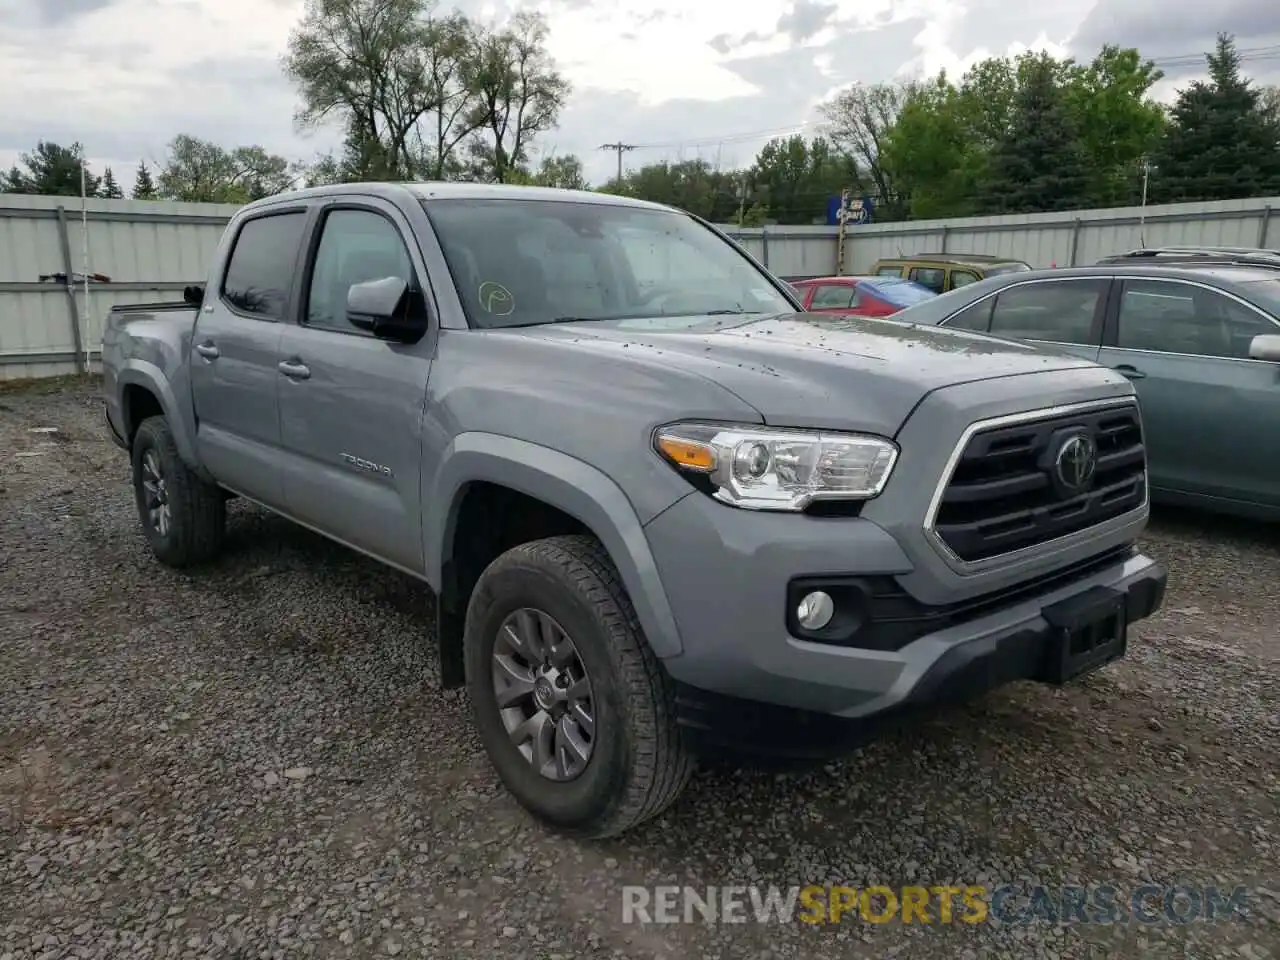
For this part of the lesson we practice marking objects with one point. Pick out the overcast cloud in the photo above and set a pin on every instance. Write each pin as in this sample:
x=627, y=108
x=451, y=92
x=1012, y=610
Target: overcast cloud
x=713, y=79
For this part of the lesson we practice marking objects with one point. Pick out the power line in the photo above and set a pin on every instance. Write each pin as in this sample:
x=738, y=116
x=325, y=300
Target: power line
x=620, y=148
x=1243, y=54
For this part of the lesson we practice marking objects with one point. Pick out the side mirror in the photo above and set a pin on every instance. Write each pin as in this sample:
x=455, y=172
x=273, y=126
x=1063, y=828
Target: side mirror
x=1265, y=347
x=193, y=295
x=388, y=309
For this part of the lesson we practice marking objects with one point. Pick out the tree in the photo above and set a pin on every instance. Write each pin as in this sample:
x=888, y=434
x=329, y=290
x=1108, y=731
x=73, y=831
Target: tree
x=564, y=171
x=935, y=151
x=108, y=188
x=144, y=187
x=690, y=185
x=518, y=94
x=201, y=171
x=451, y=76
x=1039, y=164
x=363, y=62
x=794, y=179
x=858, y=120
x=1221, y=142
x=51, y=169
x=1118, y=124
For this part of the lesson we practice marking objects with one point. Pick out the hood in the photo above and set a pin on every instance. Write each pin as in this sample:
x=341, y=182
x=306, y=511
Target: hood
x=810, y=370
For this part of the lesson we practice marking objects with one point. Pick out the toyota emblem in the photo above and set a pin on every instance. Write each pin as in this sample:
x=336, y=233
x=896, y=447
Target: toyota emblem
x=1077, y=462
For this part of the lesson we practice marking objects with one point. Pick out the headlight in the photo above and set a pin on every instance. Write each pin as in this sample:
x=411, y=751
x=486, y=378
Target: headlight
x=760, y=468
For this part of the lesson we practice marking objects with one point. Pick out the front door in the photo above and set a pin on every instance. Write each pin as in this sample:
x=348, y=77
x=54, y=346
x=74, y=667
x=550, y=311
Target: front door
x=234, y=349
x=1210, y=413
x=351, y=404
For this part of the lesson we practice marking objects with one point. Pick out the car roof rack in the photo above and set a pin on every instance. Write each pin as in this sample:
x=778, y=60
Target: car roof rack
x=1256, y=256
x=962, y=257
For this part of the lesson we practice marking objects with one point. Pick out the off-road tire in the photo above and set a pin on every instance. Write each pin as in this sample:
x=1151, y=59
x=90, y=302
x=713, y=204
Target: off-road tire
x=197, y=509
x=640, y=760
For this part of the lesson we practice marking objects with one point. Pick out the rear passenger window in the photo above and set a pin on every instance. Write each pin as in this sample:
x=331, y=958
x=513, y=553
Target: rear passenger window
x=976, y=316
x=1061, y=311
x=261, y=266
x=832, y=296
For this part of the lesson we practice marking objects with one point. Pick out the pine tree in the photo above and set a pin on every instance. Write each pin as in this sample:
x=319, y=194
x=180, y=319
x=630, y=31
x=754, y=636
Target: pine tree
x=1223, y=141
x=144, y=188
x=53, y=170
x=109, y=189
x=1038, y=163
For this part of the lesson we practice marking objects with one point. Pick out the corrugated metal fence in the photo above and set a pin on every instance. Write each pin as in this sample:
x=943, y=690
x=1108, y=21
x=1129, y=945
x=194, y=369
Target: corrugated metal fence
x=1041, y=239
x=151, y=250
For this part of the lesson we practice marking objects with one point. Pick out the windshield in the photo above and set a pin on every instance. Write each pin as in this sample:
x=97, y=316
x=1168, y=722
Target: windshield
x=522, y=262
x=899, y=293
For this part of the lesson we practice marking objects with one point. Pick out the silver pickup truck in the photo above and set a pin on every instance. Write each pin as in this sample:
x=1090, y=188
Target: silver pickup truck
x=665, y=514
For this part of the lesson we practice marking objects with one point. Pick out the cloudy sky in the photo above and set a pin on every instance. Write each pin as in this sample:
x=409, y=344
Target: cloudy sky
x=715, y=78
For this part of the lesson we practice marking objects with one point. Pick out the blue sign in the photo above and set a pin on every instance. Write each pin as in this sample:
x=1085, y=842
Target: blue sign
x=857, y=210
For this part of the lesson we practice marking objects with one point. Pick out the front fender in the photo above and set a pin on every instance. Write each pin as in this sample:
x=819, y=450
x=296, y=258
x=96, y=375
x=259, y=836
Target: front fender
x=143, y=373
x=568, y=484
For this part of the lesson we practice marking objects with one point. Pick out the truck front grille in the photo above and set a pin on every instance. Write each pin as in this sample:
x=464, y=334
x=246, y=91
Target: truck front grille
x=1018, y=485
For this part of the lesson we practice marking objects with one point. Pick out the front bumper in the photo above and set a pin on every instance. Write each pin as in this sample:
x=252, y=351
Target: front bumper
x=745, y=680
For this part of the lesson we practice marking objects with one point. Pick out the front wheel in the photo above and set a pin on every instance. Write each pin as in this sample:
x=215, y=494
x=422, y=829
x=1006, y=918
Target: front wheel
x=573, y=708
x=183, y=516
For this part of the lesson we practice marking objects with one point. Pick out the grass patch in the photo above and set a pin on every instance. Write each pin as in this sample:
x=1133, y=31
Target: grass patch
x=42, y=386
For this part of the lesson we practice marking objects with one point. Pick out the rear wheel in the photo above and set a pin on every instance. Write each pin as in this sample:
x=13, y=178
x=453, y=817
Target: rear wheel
x=574, y=710
x=183, y=517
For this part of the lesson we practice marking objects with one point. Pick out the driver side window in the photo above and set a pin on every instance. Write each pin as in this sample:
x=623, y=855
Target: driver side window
x=1167, y=317
x=355, y=246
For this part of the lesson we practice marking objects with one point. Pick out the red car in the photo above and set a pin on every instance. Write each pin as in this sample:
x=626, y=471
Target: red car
x=860, y=296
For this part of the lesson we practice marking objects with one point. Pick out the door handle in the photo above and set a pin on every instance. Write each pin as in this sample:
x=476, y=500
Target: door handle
x=1130, y=371
x=208, y=350
x=294, y=369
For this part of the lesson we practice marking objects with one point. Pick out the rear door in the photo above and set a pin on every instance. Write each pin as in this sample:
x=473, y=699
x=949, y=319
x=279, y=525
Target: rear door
x=351, y=404
x=1211, y=414
x=234, y=353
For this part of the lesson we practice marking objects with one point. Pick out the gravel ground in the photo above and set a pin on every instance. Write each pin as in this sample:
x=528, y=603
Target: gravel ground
x=254, y=762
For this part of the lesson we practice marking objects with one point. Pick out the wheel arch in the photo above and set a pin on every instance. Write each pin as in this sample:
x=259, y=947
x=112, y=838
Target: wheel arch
x=568, y=495
x=145, y=391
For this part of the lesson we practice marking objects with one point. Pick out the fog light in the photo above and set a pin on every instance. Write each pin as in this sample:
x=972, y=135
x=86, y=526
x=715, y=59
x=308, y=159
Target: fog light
x=815, y=610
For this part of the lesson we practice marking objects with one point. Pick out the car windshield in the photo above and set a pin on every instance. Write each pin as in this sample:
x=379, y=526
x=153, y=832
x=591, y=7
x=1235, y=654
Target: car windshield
x=899, y=293
x=526, y=262
x=1267, y=293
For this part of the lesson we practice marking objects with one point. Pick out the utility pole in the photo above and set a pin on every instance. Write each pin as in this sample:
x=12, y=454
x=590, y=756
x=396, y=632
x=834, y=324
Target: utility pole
x=1142, y=214
x=619, y=148
x=841, y=219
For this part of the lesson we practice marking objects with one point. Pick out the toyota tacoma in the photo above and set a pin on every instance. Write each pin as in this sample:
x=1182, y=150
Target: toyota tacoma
x=665, y=513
